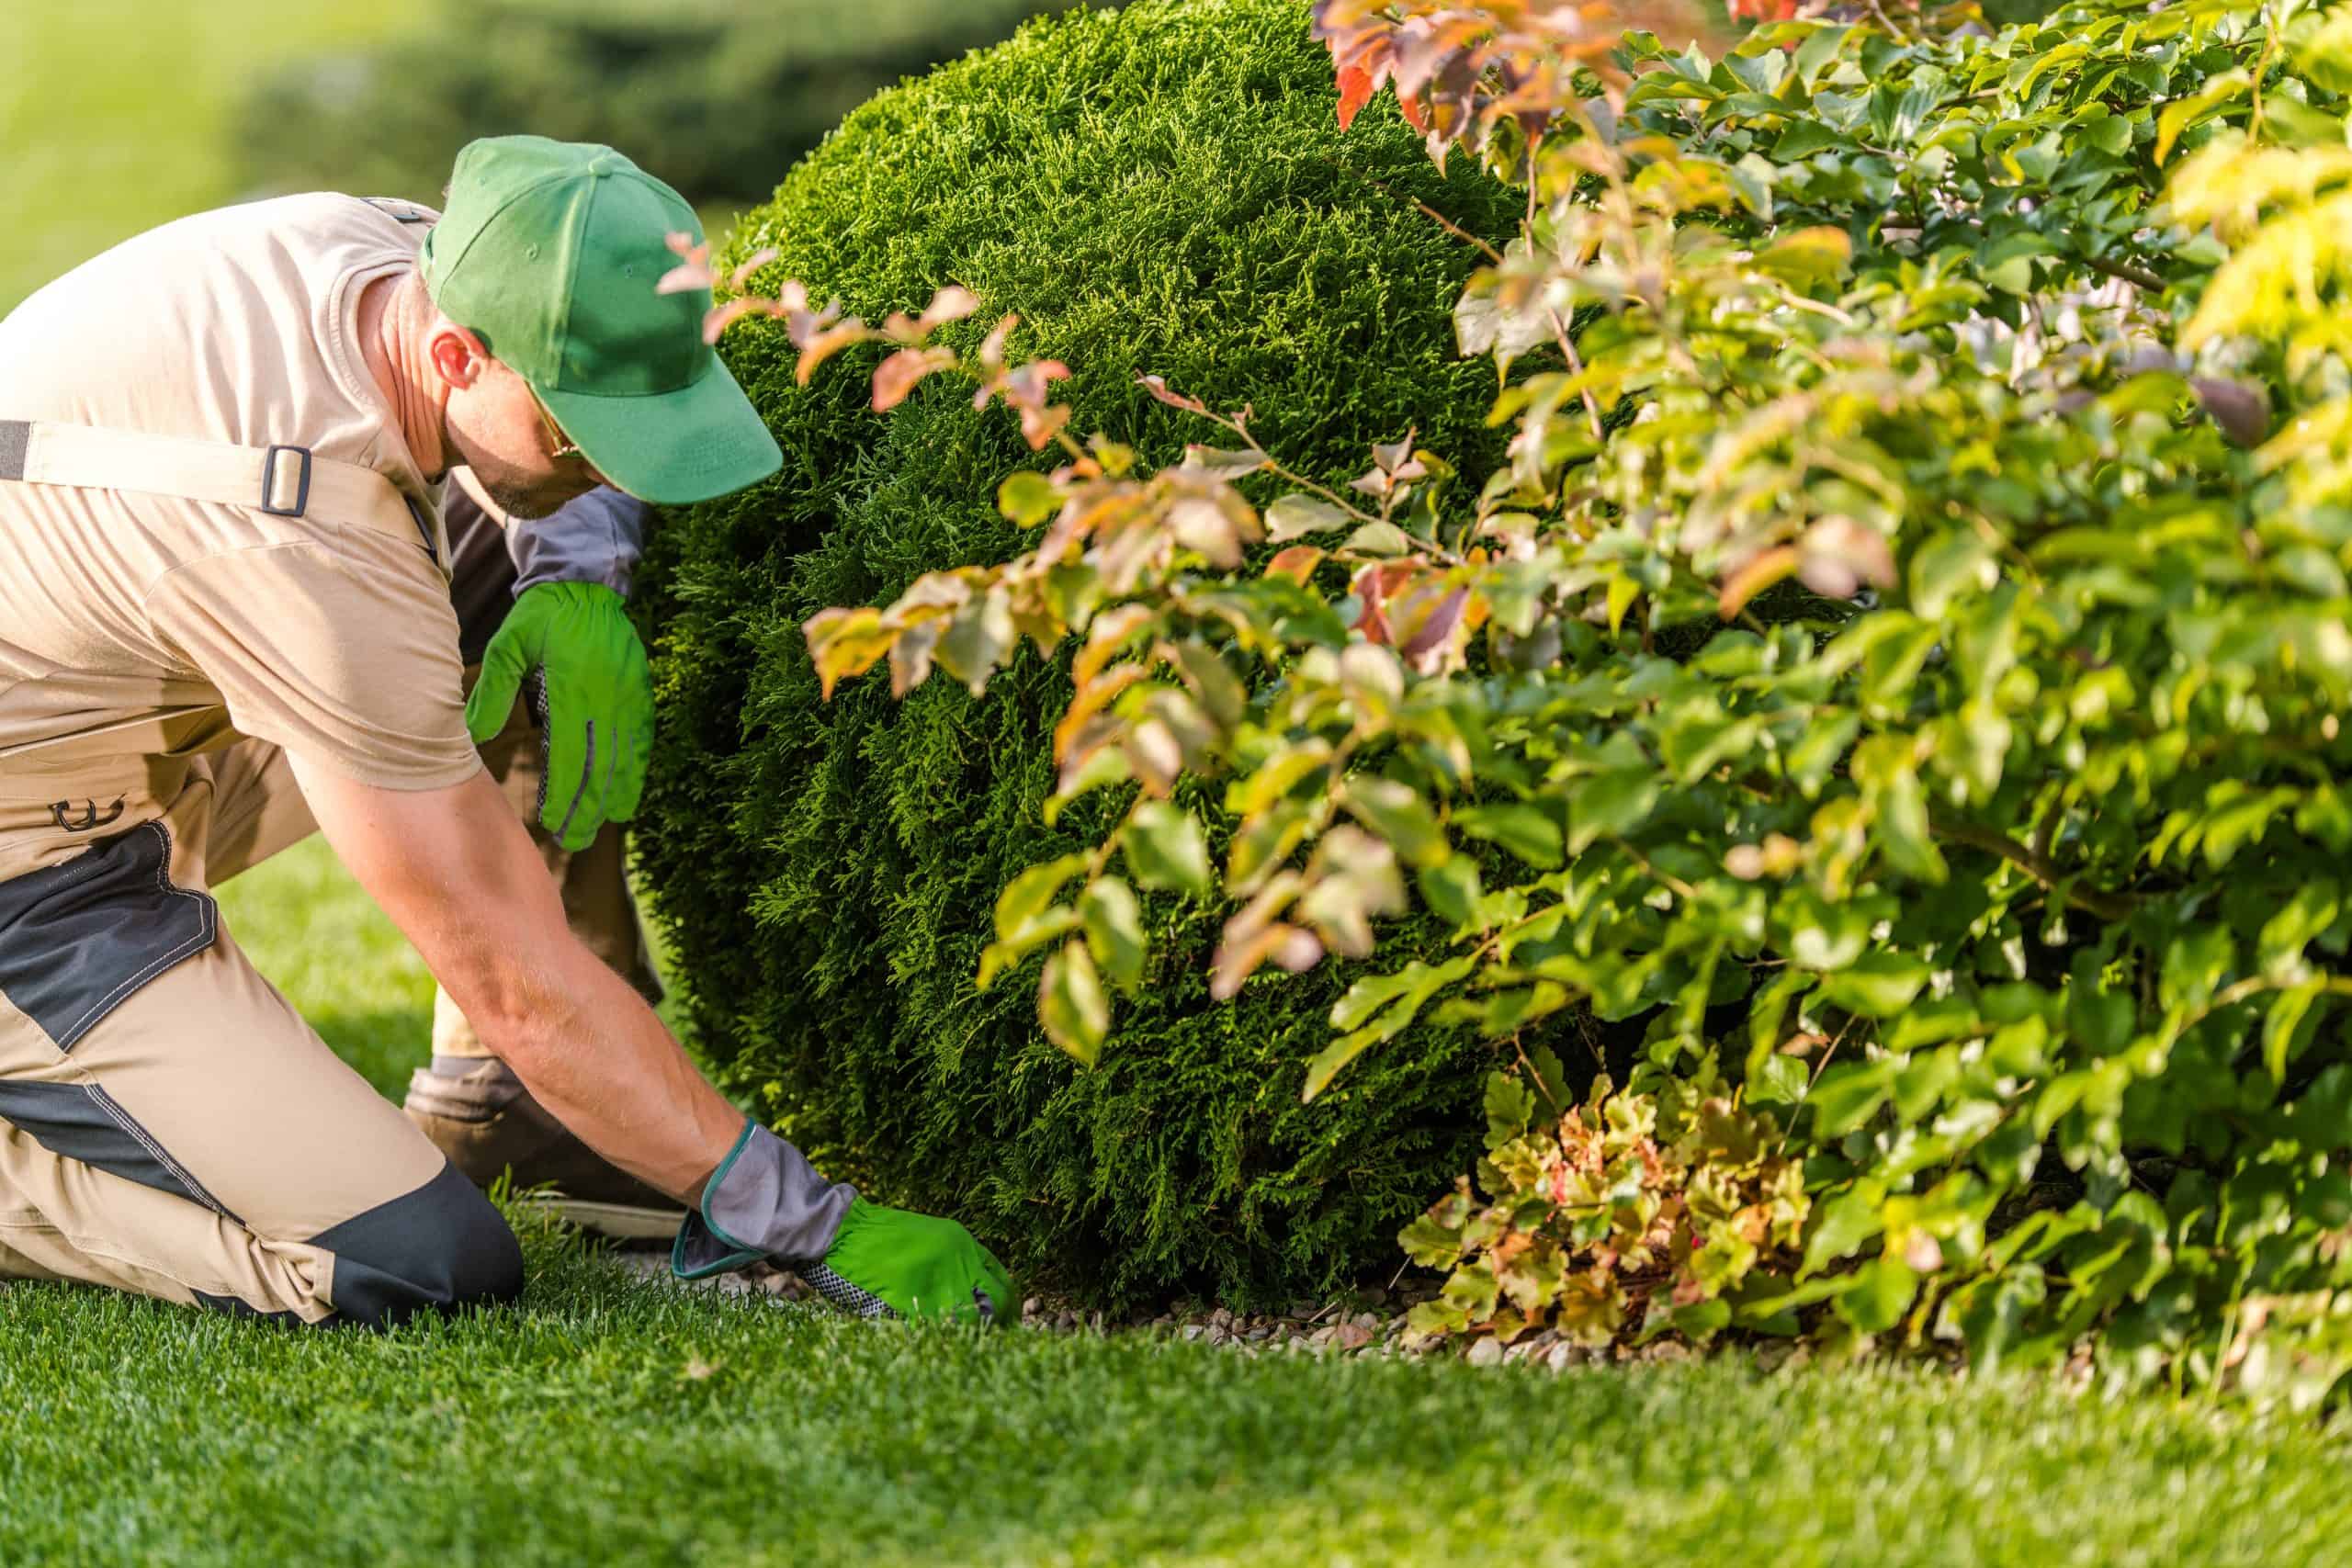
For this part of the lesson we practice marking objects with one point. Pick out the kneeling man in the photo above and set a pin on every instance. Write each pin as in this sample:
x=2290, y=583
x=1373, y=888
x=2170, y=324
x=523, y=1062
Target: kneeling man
x=226, y=621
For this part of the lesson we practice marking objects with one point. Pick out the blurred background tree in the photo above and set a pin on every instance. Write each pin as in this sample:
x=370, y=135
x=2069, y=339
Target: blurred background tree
x=118, y=115
x=715, y=97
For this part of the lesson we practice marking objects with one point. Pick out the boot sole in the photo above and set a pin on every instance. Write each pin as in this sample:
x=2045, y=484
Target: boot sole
x=623, y=1222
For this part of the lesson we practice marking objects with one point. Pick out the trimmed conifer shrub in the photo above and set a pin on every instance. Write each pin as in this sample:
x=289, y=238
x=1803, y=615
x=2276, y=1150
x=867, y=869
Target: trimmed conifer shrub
x=1160, y=190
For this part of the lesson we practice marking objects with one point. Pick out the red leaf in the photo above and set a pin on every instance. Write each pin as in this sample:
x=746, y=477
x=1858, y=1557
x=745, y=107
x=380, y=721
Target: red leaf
x=1435, y=631
x=1158, y=387
x=1355, y=91
x=897, y=376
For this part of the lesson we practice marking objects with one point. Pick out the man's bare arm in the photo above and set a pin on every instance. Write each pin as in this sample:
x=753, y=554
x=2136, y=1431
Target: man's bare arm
x=457, y=873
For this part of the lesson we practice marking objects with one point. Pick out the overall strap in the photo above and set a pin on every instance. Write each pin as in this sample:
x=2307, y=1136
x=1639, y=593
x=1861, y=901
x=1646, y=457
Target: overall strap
x=285, y=480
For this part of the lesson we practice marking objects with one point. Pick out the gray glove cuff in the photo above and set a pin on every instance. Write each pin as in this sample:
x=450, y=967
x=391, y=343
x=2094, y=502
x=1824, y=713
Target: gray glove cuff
x=764, y=1200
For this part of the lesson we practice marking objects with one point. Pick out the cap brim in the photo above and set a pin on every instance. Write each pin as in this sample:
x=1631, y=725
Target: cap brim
x=671, y=449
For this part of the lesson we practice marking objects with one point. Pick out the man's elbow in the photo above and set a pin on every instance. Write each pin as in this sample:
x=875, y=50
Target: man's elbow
x=513, y=994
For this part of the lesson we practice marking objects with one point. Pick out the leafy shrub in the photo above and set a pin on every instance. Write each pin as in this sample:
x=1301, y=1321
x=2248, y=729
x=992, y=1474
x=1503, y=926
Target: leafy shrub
x=2004, y=891
x=1159, y=190
x=712, y=96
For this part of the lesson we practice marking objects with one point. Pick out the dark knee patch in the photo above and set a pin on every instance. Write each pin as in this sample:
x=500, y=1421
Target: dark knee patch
x=437, y=1249
x=76, y=939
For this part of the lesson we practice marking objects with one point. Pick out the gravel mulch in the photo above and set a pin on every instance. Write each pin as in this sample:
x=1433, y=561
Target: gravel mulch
x=1367, y=1322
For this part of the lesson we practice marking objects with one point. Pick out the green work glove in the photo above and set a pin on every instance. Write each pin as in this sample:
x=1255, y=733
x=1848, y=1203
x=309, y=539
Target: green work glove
x=596, y=718
x=917, y=1265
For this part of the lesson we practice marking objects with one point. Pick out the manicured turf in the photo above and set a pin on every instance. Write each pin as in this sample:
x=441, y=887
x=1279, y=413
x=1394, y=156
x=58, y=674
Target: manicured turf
x=607, y=1420
x=604, y=1419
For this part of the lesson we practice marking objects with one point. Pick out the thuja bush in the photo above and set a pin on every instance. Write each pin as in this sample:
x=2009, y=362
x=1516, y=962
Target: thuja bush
x=1981, y=933
x=1163, y=190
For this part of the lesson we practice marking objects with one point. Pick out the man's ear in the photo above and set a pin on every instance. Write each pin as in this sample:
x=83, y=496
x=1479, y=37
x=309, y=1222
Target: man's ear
x=458, y=356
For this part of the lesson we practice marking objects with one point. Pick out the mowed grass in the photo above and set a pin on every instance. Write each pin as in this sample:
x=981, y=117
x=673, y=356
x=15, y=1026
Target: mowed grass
x=609, y=1419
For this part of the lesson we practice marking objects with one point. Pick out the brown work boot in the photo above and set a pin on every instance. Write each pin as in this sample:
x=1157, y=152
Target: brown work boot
x=478, y=1112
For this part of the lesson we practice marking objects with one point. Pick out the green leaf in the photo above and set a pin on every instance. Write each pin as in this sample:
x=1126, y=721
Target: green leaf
x=1881, y=1293
x=1610, y=805
x=2288, y=1026
x=1165, y=849
x=1849, y=1094
x=1819, y=750
x=1379, y=539
x=1431, y=1243
x=1876, y=985
x=1070, y=1003
x=1397, y=813
x=1842, y=1224
x=1114, y=922
x=1028, y=894
x=1817, y=51
x=1028, y=499
x=1294, y=515
x=2195, y=964
x=1452, y=889
x=1528, y=831
x=2180, y=114
x=1511, y=1104
x=1379, y=1007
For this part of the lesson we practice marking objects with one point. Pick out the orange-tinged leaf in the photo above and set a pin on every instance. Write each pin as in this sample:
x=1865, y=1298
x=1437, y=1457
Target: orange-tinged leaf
x=950, y=304
x=825, y=345
x=1758, y=574
x=1239, y=956
x=898, y=376
x=1297, y=563
x=717, y=319
x=741, y=275
x=1355, y=91
x=842, y=643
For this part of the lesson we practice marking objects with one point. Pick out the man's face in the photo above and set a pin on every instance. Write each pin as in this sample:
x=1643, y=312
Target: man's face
x=501, y=430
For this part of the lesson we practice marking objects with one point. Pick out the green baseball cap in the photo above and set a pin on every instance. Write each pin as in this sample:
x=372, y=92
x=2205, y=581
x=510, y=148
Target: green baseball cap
x=548, y=251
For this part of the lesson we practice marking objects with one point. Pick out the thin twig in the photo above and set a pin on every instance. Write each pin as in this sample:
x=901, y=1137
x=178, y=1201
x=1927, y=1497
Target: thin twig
x=2137, y=275
x=2105, y=906
x=1575, y=368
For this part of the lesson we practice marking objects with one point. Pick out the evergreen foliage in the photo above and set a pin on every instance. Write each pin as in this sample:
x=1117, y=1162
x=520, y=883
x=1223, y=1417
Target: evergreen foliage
x=1161, y=190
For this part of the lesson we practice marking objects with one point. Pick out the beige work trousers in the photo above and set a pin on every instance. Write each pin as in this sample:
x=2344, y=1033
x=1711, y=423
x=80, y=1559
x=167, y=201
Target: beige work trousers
x=169, y=1124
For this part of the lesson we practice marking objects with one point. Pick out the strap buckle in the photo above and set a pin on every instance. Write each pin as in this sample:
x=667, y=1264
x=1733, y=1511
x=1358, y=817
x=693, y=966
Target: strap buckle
x=269, y=482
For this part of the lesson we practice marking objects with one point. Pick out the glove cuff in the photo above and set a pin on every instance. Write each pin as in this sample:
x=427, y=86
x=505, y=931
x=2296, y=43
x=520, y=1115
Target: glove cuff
x=764, y=1200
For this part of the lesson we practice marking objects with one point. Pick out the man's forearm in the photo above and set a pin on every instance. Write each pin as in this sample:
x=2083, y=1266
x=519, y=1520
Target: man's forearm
x=459, y=877
x=595, y=1055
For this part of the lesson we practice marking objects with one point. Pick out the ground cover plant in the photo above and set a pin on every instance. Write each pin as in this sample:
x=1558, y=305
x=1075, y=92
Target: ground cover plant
x=1163, y=189
x=1969, y=924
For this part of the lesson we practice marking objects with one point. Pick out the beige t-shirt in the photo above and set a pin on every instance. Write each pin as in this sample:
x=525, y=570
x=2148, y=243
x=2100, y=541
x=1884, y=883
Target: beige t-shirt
x=136, y=626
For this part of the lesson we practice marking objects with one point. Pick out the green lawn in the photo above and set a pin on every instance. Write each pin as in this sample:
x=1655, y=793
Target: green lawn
x=111, y=113
x=609, y=1419
x=575, y=1430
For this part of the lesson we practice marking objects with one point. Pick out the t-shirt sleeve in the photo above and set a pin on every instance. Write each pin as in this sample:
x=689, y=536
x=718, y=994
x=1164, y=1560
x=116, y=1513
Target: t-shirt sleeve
x=351, y=663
